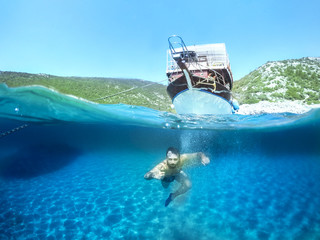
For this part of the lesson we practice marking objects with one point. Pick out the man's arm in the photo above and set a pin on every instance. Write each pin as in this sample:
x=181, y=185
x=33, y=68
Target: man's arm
x=195, y=158
x=157, y=172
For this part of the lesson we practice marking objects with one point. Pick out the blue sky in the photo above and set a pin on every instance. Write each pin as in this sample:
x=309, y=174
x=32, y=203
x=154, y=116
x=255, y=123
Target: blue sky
x=128, y=39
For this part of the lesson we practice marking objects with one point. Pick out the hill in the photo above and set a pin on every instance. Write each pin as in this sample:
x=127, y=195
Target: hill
x=295, y=79
x=145, y=93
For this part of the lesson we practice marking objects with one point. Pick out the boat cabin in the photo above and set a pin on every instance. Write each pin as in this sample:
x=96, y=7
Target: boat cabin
x=201, y=60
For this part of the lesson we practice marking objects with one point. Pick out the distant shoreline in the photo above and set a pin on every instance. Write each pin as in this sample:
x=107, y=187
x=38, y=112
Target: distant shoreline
x=276, y=107
x=296, y=107
x=98, y=90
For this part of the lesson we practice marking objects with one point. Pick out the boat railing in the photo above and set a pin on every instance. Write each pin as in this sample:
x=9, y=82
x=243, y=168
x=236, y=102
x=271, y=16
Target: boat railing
x=176, y=42
x=203, y=62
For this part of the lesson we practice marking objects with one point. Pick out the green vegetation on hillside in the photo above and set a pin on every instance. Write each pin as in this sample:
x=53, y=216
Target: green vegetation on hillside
x=297, y=79
x=153, y=96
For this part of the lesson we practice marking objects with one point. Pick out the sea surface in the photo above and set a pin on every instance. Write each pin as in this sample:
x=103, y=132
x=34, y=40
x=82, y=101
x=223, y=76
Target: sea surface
x=71, y=169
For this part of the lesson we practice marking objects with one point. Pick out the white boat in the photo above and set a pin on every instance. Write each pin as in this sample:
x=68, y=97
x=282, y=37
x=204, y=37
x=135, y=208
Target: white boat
x=200, y=78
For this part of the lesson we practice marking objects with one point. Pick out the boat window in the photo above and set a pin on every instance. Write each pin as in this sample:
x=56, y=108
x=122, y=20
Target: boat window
x=202, y=59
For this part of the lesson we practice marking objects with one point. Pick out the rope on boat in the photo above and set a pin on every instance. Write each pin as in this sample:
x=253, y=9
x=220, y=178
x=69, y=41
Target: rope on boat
x=150, y=84
x=13, y=130
x=128, y=90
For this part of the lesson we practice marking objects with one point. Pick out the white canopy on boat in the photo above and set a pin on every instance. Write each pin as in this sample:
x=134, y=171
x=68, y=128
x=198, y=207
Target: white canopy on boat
x=209, y=56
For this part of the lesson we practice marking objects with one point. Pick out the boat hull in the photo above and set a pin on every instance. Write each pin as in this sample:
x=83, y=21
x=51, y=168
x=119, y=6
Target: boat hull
x=203, y=98
x=196, y=101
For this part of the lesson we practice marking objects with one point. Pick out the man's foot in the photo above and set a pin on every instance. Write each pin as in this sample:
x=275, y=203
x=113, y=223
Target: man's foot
x=169, y=199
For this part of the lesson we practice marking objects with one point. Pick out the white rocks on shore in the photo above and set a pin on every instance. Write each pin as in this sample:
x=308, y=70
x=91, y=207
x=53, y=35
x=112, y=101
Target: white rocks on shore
x=275, y=107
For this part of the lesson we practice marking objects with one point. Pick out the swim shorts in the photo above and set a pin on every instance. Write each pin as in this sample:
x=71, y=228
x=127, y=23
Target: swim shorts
x=169, y=179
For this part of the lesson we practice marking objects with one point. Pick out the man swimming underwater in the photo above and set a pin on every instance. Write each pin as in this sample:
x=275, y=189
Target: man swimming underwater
x=170, y=169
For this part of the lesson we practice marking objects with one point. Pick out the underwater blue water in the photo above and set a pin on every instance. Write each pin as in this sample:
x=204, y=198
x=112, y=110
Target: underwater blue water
x=75, y=171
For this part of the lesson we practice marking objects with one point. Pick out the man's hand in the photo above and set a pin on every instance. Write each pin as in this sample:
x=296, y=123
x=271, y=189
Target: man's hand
x=204, y=159
x=150, y=175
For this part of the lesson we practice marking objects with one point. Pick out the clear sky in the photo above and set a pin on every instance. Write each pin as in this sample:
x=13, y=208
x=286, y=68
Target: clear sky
x=128, y=39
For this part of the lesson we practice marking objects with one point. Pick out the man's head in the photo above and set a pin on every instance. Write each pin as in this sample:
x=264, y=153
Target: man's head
x=173, y=157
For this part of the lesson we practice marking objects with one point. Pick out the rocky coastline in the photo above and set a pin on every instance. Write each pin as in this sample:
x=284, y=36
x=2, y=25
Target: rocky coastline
x=276, y=107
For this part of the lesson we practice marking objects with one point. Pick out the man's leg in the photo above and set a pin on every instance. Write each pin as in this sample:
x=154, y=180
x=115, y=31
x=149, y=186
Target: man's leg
x=185, y=182
x=185, y=186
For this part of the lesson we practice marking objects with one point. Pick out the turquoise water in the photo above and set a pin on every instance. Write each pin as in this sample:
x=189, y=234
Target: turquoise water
x=75, y=171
